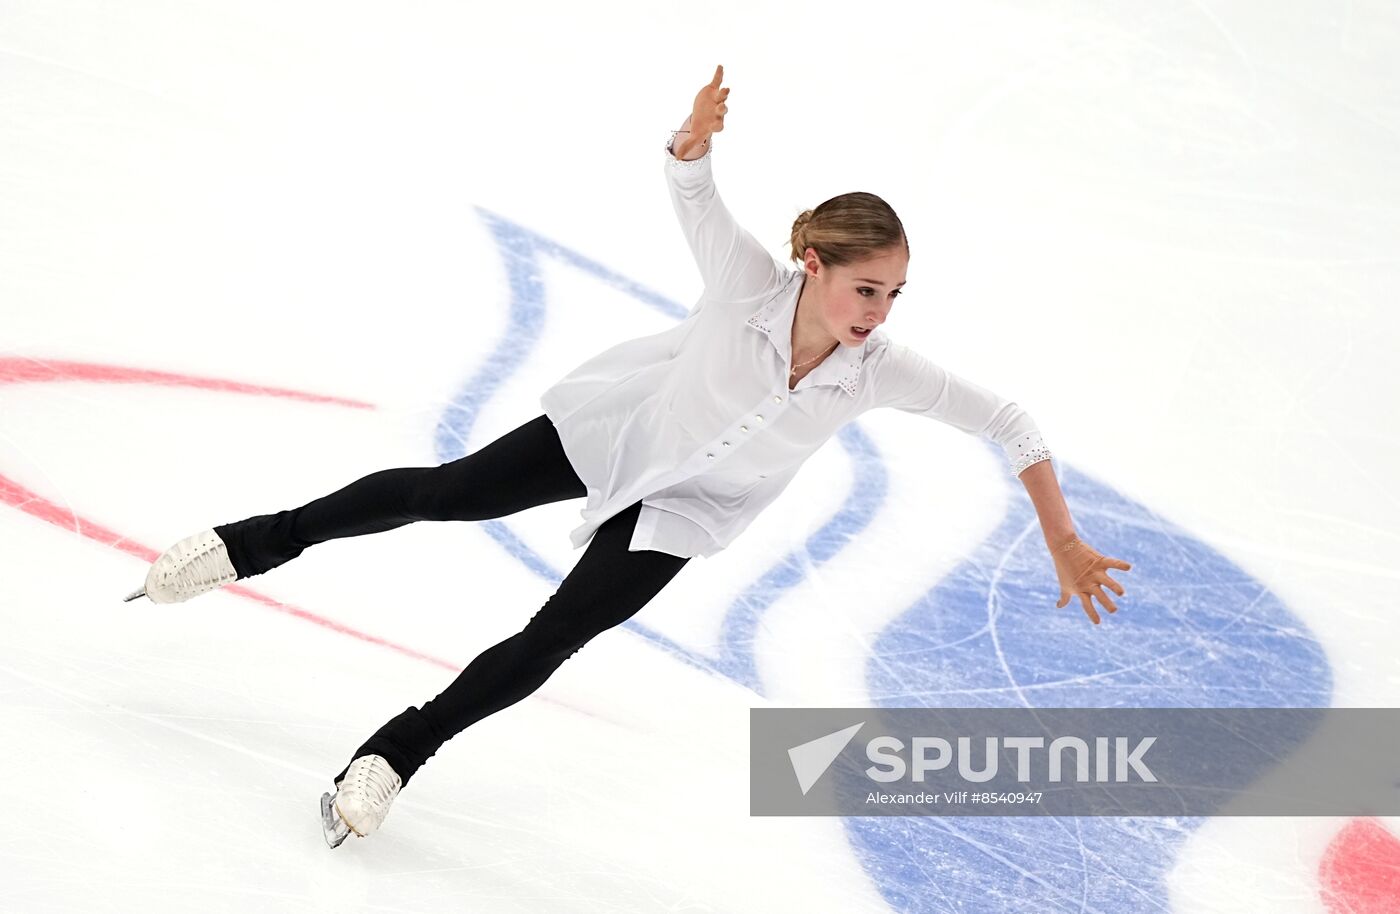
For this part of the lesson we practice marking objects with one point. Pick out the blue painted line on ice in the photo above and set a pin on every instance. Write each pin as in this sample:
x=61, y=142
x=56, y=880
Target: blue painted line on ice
x=1196, y=631
x=521, y=251
x=741, y=622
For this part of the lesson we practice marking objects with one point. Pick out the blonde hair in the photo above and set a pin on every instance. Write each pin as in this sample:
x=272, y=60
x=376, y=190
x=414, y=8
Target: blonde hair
x=847, y=229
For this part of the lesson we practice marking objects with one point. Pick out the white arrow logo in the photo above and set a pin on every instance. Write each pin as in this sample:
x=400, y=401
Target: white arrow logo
x=810, y=760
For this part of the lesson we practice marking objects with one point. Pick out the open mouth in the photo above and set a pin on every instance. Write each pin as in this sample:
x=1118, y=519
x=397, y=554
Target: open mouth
x=861, y=332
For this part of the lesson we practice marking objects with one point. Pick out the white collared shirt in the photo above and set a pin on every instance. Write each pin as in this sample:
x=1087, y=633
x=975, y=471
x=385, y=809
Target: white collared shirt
x=697, y=421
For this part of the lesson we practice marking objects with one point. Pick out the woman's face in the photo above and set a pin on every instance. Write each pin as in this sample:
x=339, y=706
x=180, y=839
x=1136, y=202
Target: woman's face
x=857, y=298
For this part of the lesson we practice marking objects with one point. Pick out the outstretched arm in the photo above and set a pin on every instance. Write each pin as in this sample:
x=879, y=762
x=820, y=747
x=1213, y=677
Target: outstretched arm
x=1082, y=571
x=910, y=382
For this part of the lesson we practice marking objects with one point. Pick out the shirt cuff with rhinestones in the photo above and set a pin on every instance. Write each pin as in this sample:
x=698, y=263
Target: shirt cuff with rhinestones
x=1026, y=450
x=692, y=164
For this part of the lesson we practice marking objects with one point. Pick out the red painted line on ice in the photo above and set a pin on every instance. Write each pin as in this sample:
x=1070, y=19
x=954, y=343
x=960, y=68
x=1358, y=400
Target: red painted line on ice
x=15, y=370
x=22, y=371
x=32, y=371
x=32, y=503
x=1360, y=870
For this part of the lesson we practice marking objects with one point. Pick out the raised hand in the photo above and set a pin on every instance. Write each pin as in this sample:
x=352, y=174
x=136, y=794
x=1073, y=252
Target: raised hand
x=1083, y=572
x=707, y=114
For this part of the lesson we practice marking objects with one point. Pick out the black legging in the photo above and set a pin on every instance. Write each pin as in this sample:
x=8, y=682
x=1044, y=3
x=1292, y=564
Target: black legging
x=521, y=469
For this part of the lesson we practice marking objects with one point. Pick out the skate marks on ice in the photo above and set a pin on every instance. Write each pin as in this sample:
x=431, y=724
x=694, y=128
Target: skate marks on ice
x=960, y=646
x=22, y=498
x=19, y=370
x=1198, y=632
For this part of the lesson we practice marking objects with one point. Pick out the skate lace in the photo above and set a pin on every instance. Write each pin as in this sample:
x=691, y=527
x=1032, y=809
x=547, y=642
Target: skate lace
x=202, y=569
x=376, y=784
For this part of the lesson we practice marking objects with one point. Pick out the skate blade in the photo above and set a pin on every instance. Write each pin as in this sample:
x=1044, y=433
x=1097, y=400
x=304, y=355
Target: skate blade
x=137, y=593
x=332, y=825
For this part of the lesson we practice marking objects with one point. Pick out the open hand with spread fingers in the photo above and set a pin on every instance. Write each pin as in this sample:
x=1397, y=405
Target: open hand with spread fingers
x=1083, y=572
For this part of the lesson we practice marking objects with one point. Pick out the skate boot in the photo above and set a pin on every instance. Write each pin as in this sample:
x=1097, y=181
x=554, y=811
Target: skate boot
x=361, y=800
x=195, y=565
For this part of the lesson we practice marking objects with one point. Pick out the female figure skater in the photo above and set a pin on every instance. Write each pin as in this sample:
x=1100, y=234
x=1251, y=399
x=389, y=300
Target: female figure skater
x=677, y=440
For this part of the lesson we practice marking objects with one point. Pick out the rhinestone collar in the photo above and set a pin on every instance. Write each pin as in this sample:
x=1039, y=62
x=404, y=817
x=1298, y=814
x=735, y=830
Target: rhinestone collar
x=775, y=318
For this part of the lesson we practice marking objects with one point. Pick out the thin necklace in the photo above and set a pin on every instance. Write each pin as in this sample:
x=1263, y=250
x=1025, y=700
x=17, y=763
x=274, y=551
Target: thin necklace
x=793, y=372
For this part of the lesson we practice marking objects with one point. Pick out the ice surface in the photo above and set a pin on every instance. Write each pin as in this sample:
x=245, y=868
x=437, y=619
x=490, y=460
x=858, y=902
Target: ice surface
x=251, y=252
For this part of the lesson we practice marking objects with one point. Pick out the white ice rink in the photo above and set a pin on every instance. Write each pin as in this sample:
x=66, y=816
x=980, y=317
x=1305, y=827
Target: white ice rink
x=252, y=251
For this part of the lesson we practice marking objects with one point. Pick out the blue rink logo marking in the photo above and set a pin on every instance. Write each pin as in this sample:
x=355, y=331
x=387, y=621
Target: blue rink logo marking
x=1196, y=632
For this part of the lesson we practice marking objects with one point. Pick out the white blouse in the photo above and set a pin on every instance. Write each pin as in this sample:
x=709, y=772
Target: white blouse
x=697, y=421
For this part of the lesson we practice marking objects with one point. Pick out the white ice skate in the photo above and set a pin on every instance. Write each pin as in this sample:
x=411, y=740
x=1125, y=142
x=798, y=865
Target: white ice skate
x=195, y=565
x=361, y=800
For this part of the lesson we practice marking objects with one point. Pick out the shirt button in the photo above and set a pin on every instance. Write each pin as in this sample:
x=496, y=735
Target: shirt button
x=759, y=418
x=777, y=399
x=725, y=443
x=762, y=475
x=743, y=428
x=711, y=456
